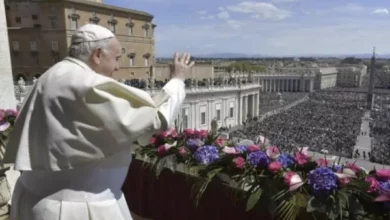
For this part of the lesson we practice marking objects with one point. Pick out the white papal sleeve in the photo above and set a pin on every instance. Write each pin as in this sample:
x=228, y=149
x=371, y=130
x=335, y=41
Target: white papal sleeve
x=130, y=114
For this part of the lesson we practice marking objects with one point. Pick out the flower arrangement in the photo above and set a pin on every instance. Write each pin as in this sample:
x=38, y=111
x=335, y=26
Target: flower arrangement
x=284, y=184
x=7, y=119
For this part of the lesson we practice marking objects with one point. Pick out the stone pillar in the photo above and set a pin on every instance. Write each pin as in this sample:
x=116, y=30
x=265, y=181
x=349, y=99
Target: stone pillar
x=295, y=85
x=7, y=94
x=240, y=110
x=253, y=105
x=311, y=85
x=245, y=108
x=302, y=89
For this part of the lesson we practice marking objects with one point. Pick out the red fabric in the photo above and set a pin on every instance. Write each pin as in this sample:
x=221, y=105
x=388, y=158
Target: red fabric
x=169, y=197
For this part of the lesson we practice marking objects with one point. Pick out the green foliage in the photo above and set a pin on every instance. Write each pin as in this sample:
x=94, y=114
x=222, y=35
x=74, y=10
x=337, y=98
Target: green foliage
x=253, y=199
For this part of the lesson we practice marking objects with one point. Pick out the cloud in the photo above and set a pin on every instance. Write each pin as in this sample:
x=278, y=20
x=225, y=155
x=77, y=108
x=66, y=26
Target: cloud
x=202, y=12
x=208, y=17
x=285, y=1
x=223, y=15
x=381, y=11
x=260, y=10
x=351, y=7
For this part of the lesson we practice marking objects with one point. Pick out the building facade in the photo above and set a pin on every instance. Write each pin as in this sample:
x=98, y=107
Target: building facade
x=40, y=33
x=351, y=76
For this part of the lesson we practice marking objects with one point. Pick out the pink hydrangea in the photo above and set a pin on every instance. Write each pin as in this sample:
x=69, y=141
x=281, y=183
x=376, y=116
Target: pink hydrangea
x=11, y=112
x=273, y=152
x=344, y=181
x=201, y=133
x=253, y=148
x=188, y=132
x=374, y=184
x=4, y=126
x=153, y=141
x=300, y=158
x=275, y=167
x=169, y=133
x=163, y=149
x=293, y=180
x=352, y=166
x=322, y=162
x=220, y=142
x=230, y=150
x=182, y=151
x=383, y=174
x=239, y=162
x=2, y=114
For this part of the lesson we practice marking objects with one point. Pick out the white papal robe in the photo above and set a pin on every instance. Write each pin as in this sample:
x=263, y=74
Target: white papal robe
x=73, y=138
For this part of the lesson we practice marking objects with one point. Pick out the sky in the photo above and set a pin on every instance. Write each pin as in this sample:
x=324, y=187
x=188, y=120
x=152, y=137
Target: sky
x=273, y=27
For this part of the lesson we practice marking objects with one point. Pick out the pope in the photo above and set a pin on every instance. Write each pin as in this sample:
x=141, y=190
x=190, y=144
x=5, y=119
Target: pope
x=73, y=137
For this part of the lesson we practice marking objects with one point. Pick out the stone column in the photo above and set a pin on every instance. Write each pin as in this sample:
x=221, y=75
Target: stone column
x=7, y=94
x=245, y=109
x=253, y=106
x=302, y=89
x=311, y=85
x=240, y=110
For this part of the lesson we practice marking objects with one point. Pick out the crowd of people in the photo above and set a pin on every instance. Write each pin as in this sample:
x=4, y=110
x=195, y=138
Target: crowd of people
x=158, y=84
x=380, y=130
x=327, y=121
x=271, y=101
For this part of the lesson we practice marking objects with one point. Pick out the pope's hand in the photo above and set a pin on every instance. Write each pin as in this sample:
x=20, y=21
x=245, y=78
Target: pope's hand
x=181, y=66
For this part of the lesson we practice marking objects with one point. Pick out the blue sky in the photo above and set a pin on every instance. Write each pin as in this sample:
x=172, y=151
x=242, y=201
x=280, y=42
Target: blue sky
x=273, y=27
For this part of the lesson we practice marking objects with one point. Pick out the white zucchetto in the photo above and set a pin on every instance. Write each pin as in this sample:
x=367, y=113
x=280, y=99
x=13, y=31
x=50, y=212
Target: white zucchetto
x=90, y=33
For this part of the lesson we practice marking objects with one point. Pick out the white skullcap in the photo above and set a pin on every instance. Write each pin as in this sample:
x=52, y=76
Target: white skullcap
x=91, y=32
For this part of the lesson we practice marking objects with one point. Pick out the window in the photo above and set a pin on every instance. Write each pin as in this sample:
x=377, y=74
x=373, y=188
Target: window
x=203, y=118
x=130, y=30
x=33, y=45
x=51, y=8
x=73, y=23
x=54, y=45
x=146, y=32
x=131, y=61
x=15, y=45
x=112, y=27
x=184, y=118
x=34, y=17
x=231, y=109
x=53, y=21
x=218, y=111
x=202, y=111
x=146, y=61
x=123, y=51
x=18, y=20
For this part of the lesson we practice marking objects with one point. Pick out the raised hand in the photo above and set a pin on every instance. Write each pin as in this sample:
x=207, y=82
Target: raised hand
x=181, y=66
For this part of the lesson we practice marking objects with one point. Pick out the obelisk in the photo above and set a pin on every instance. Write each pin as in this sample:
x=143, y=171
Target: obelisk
x=7, y=93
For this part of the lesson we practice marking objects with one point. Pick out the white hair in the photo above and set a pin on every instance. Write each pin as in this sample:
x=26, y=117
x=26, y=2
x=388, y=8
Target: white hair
x=84, y=50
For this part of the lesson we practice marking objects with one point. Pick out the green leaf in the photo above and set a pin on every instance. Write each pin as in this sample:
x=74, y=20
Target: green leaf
x=201, y=184
x=253, y=199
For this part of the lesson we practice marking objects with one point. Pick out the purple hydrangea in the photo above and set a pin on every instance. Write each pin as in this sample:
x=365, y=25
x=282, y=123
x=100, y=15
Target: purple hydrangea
x=194, y=143
x=258, y=159
x=337, y=168
x=322, y=181
x=286, y=160
x=206, y=154
x=241, y=149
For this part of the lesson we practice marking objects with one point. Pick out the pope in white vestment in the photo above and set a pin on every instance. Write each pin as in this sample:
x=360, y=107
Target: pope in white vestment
x=73, y=136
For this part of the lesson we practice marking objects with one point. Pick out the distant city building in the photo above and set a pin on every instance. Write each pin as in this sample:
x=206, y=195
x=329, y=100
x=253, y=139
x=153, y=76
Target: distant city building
x=40, y=32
